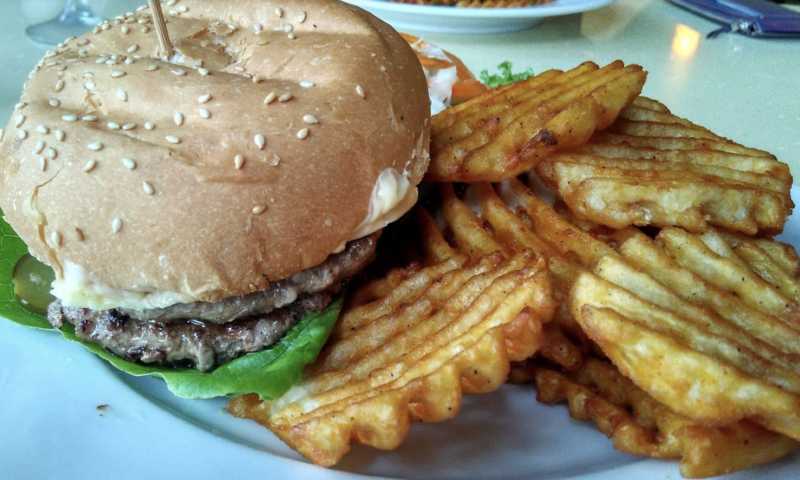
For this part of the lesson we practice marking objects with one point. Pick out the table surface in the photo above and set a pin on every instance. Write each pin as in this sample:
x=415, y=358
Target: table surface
x=746, y=89
x=743, y=88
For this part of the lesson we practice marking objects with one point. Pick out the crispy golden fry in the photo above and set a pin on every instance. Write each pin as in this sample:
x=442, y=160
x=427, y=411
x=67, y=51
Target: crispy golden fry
x=709, y=331
x=653, y=168
x=639, y=425
x=506, y=131
x=410, y=355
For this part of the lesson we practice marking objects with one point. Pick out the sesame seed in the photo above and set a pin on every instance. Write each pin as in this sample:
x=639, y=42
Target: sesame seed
x=113, y=125
x=39, y=147
x=89, y=118
x=178, y=118
x=56, y=239
x=257, y=28
x=271, y=97
x=171, y=3
x=19, y=120
x=151, y=68
x=51, y=153
x=141, y=8
x=129, y=163
x=125, y=29
x=258, y=209
x=42, y=164
x=182, y=9
x=60, y=135
x=306, y=83
x=128, y=126
x=116, y=74
x=172, y=139
x=83, y=53
x=203, y=72
x=129, y=61
x=79, y=234
x=258, y=78
x=95, y=146
x=59, y=86
x=285, y=97
x=360, y=91
x=122, y=95
x=148, y=188
x=133, y=48
x=116, y=225
x=96, y=29
x=179, y=72
x=89, y=85
x=292, y=36
x=279, y=12
x=89, y=166
x=302, y=134
x=204, y=113
x=105, y=26
x=260, y=141
x=149, y=125
x=20, y=105
x=204, y=98
x=274, y=160
x=302, y=17
x=238, y=162
x=70, y=117
x=22, y=134
x=54, y=102
x=310, y=119
x=288, y=28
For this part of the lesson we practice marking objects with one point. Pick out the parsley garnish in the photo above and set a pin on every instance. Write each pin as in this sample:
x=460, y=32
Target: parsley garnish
x=504, y=76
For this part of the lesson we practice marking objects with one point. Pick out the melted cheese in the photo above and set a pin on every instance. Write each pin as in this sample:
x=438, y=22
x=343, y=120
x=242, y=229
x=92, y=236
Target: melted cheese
x=76, y=288
x=392, y=196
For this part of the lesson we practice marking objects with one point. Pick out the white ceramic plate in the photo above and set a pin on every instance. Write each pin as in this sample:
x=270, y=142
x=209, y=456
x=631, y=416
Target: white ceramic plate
x=439, y=19
x=50, y=428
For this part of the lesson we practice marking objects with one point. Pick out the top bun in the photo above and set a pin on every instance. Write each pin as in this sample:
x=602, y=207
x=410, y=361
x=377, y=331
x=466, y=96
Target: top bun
x=253, y=155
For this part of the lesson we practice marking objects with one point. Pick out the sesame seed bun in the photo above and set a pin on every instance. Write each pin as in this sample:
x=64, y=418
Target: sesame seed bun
x=211, y=180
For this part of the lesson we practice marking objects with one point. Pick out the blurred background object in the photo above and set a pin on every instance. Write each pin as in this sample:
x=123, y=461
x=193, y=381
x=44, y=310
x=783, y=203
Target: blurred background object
x=51, y=21
x=75, y=17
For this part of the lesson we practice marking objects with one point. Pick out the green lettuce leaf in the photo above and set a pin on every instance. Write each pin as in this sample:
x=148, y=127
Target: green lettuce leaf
x=268, y=373
x=505, y=75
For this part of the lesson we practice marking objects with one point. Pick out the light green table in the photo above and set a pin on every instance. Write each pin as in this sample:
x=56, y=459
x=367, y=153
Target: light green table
x=742, y=88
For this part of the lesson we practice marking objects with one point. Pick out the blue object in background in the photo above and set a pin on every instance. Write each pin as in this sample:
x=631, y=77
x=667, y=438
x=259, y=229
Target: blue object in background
x=756, y=18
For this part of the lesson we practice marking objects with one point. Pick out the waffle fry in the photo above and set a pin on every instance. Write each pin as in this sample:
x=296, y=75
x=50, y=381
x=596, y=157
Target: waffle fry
x=508, y=130
x=410, y=355
x=510, y=217
x=639, y=425
x=706, y=324
x=654, y=168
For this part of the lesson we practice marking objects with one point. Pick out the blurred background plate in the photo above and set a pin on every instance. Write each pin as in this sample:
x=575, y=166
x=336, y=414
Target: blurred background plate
x=440, y=19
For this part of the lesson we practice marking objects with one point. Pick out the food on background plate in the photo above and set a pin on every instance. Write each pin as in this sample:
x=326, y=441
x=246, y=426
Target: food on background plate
x=197, y=211
x=478, y=3
x=654, y=168
x=449, y=81
x=449, y=328
x=510, y=129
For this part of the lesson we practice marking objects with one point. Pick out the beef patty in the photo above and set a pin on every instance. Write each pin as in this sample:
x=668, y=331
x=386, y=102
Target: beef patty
x=205, y=335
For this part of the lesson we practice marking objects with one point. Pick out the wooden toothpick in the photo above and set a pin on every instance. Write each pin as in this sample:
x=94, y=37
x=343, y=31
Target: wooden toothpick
x=167, y=50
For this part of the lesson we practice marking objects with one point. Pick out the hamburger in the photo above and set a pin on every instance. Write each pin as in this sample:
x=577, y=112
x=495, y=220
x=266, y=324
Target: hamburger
x=202, y=213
